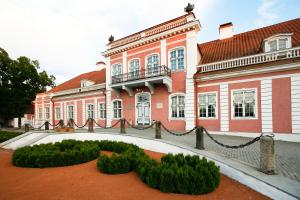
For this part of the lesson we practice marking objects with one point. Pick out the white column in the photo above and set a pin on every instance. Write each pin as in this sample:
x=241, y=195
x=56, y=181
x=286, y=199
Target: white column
x=191, y=68
x=163, y=52
x=266, y=105
x=83, y=112
x=108, y=93
x=295, y=103
x=124, y=62
x=224, y=107
x=96, y=110
x=75, y=111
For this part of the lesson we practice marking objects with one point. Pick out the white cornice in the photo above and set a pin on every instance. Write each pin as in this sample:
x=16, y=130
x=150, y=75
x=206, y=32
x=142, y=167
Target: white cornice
x=188, y=25
x=244, y=72
x=80, y=90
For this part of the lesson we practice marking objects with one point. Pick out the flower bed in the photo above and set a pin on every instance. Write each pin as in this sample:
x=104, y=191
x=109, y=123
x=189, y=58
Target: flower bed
x=175, y=173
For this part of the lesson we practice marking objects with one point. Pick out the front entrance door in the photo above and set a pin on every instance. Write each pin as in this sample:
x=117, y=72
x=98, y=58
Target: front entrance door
x=143, y=109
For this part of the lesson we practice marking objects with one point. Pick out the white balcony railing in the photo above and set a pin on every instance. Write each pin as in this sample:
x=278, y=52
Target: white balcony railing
x=251, y=60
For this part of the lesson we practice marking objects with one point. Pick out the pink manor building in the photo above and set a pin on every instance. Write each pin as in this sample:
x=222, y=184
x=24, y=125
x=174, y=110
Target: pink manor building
x=248, y=82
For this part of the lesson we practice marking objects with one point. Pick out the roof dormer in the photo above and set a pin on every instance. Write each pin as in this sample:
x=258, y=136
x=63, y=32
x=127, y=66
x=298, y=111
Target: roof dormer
x=85, y=83
x=278, y=42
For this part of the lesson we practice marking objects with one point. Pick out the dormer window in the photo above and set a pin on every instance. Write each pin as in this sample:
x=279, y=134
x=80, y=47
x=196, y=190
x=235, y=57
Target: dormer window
x=85, y=83
x=278, y=42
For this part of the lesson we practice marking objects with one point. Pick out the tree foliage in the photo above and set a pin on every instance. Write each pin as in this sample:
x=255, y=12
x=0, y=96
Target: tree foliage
x=20, y=81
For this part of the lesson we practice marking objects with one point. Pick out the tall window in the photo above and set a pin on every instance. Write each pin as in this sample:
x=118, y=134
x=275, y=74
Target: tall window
x=47, y=113
x=117, y=109
x=152, y=65
x=102, y=110
x=207, y=105
x=117, y=73
x=40, y=113
x=134, y=67
x=177, y=106
x=57, y=113
x=71, y=112
x=177, y=59
x=244, y=104
x=282, y=43
x=90, y=111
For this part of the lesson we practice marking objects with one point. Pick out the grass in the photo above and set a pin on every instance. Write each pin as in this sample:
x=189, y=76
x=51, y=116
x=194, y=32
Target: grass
x=6, y=135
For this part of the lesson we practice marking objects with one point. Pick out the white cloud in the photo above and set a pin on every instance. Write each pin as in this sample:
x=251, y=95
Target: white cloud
x=67, y=36
x=267, y=12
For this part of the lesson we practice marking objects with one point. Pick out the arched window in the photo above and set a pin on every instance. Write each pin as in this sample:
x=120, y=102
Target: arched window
x=134, y=68
x=177, y=106
x=278, y=42
x=152, y=64
x=177, y=59
x=117, y=108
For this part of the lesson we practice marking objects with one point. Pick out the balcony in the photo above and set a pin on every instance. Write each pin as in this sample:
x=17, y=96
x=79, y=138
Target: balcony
x=149, y=78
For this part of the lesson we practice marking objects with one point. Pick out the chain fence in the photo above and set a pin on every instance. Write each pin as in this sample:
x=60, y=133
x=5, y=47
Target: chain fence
x=139, y=128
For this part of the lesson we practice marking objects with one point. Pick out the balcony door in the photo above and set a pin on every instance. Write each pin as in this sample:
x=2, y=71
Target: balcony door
x=143, y=109
x=134, y=69
x=152, y=65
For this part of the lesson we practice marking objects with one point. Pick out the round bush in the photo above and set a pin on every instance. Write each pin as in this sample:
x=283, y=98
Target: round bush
x=175, y=173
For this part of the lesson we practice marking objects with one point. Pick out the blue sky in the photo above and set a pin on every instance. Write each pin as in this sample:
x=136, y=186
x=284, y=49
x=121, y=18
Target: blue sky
x=68, y=36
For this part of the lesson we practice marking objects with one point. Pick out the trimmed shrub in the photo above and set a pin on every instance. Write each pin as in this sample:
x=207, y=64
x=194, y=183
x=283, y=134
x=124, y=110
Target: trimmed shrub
x=5, y=135
x=175, y=173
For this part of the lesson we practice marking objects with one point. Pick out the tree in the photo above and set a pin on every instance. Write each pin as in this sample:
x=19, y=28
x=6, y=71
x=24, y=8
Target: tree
x=20, y=81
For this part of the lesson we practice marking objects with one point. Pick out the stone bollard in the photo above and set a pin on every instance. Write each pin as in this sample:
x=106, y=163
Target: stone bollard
x=26, y=127
x=122, y=127
x=199, y=137
x=61, y=123
x=90, y=125
x=267, y=155
x=47, y=126
x=71, y=123
x=158, y=130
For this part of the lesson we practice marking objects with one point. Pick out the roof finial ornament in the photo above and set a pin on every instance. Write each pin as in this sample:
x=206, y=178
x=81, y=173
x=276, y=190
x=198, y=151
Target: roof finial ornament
x=189, y=8
x=111, y=39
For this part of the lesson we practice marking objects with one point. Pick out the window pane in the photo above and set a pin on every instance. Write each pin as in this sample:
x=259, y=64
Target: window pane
x=282, y=43
x=238, y=110
x=211, y=111
x=273, y=45
x=202, y=111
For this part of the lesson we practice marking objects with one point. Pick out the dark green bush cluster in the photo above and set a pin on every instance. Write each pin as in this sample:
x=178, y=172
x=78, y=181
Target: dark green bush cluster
x=175, y=173
x=5, y=135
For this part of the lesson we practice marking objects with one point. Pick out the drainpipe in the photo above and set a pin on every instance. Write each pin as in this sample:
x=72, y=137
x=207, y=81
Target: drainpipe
x=196, y=100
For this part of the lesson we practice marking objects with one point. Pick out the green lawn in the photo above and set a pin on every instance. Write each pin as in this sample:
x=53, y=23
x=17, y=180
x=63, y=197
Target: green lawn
x=6, y=135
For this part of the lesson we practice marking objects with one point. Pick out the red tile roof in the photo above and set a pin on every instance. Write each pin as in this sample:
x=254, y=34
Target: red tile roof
x=247, y=43
x=95, y=76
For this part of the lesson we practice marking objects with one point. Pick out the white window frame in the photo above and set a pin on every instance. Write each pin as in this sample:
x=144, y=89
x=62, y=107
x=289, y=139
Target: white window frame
x=47, y=113
x=68, y=111
x=104, y=110
x=216, y=108
x=146, y=62
x=55, y=109
x=136, y=73
x=113, y=114
x=277, y=37
x=112, y=69
x=184, y=59
x=255, y=105
x=170, y=106
x=87, y=110
x=40, y=112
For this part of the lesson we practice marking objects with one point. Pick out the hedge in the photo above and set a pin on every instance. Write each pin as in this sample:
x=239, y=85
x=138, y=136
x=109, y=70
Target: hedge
x=175, y=173
x=5, y=135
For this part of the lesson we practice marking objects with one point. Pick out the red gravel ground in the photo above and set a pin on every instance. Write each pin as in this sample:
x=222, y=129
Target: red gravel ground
x=84, y=181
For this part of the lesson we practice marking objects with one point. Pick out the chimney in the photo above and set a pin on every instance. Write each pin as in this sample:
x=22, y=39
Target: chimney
x=226, y=30
x=100, y=65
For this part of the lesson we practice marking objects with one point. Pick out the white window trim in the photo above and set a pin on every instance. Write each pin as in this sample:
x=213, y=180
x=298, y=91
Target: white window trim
x=170, y=109
x=68, y=106
x=42, y=114
x=277, y=37
x=86, y=110
x=112, y=68
x=216, y=109
x=169, y=58
x=129, y=61
x=55, y=107
x=255, y=106
x=151, y=54
x=47, y=112
x=135, y=104
x=99, y=113
x=122, y=108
